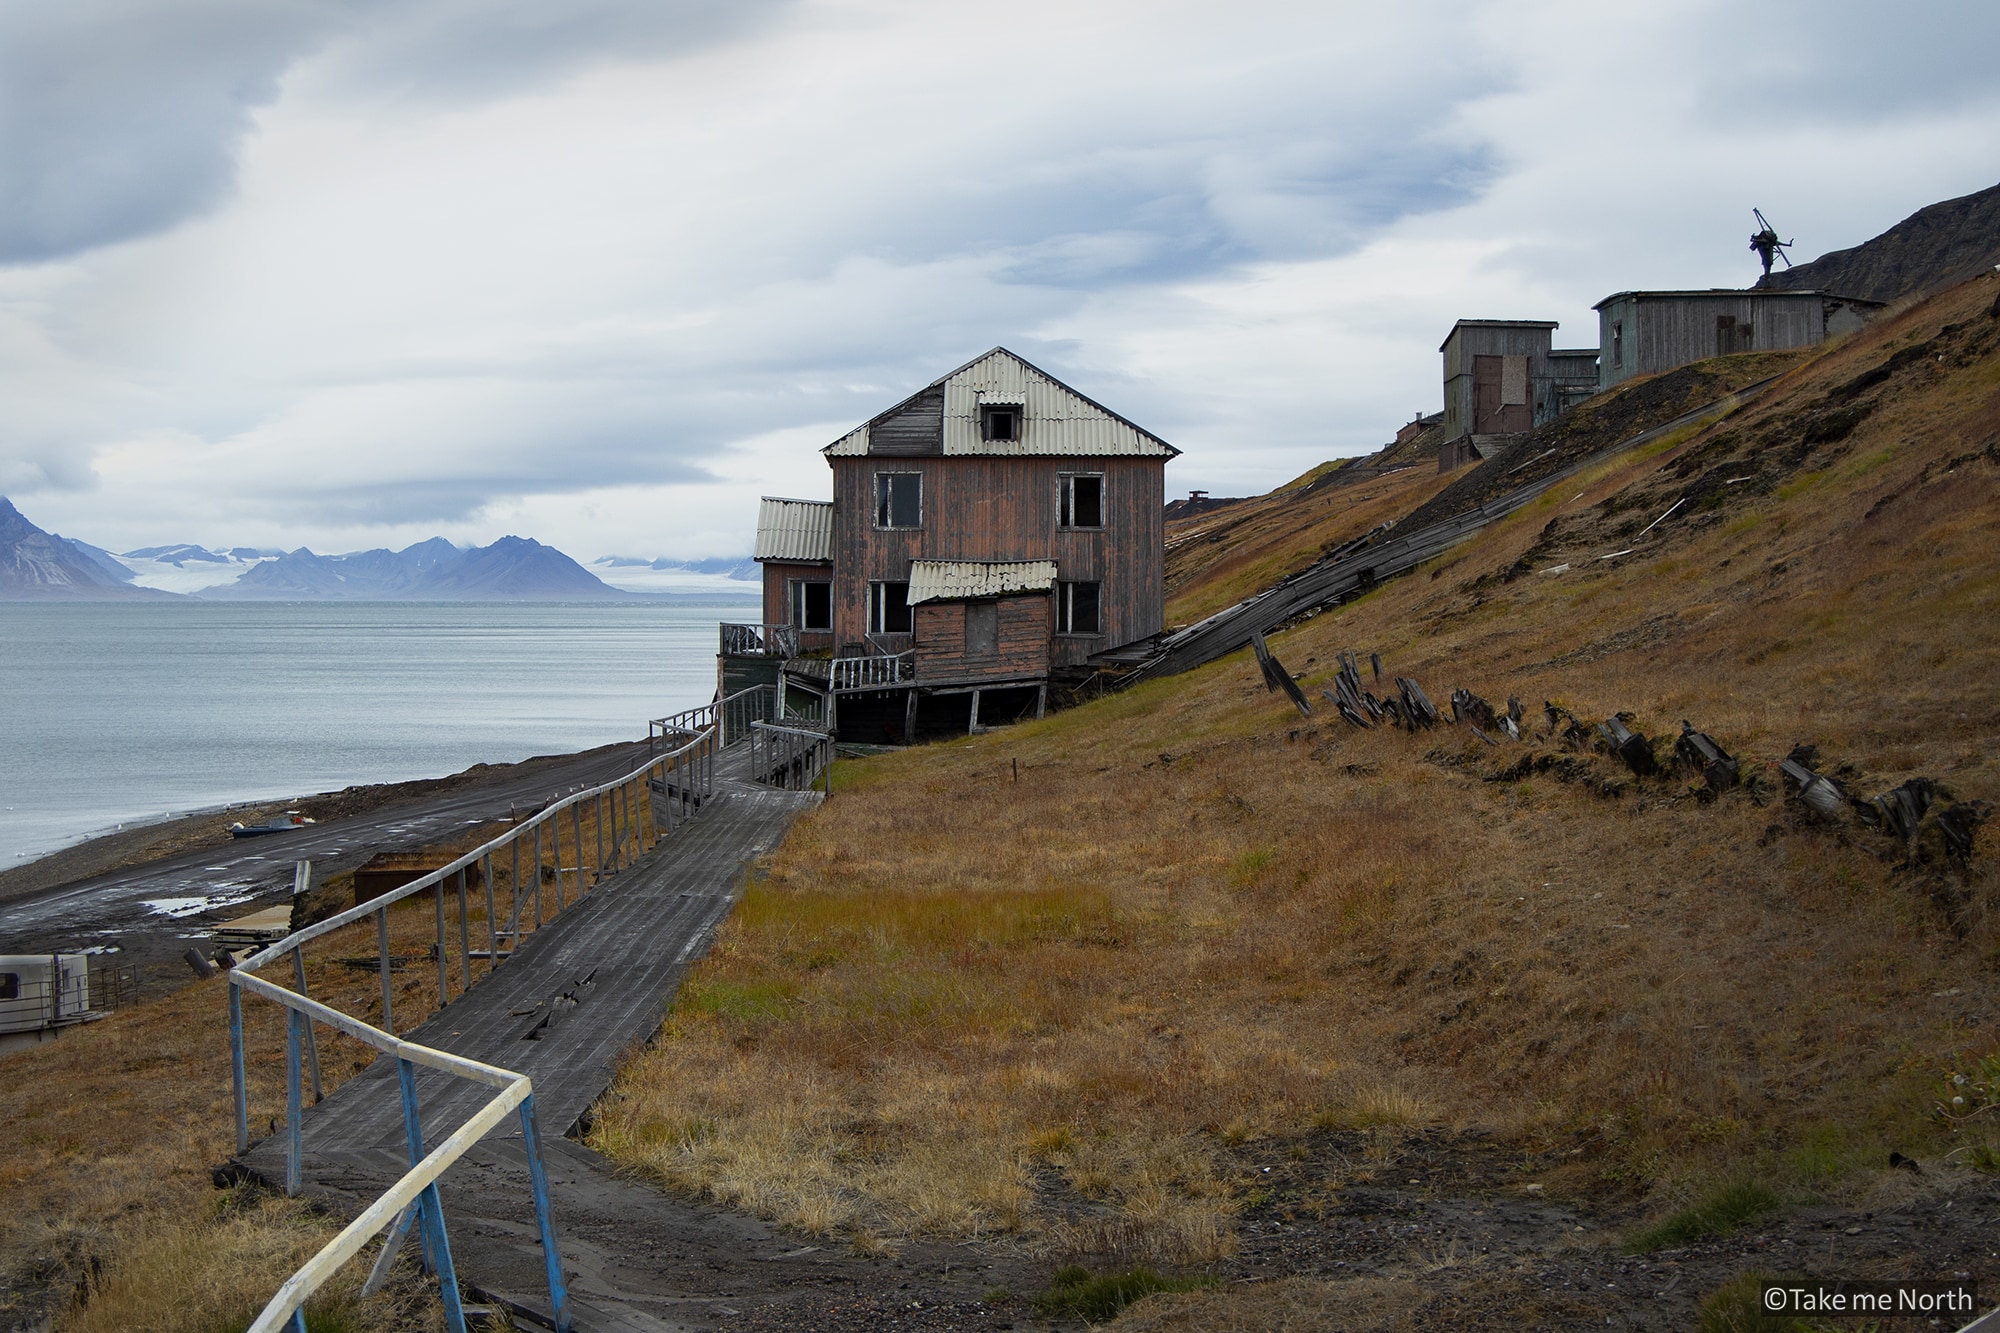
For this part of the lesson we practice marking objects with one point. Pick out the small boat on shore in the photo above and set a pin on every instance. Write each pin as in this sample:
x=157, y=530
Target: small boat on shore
x=284, y=823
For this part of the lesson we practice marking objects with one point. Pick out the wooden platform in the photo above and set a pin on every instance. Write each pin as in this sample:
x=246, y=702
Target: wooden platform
x=579, y=992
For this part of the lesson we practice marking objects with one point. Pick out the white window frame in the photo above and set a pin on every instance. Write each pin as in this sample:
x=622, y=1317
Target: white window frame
x=878, y=606
x=1066, y=608
x=884, y=501
x=795, y=603
x=1066, y=500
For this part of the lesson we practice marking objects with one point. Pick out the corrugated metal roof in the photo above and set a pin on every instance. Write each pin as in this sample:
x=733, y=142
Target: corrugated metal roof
x=794, y=529
x=851, y=445
x=1057, y=420
x=953, y=580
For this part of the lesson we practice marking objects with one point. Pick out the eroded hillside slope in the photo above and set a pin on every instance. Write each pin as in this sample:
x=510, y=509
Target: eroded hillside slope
x=1430, y=1026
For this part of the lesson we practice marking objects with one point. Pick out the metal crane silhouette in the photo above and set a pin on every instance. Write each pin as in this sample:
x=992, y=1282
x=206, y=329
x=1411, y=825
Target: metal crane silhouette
x=1766, y=243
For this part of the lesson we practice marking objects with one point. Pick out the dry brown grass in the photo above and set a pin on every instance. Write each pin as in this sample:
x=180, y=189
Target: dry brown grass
x=114, y=1129
x=1198, y=918
x=1289, y=1305
x=1216, y=559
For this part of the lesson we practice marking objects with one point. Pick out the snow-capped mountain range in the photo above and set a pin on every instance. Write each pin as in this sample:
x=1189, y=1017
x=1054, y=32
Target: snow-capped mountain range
x=42, y=565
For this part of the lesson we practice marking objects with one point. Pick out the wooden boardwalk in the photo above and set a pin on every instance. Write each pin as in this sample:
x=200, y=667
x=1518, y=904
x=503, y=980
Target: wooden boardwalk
x=578, y=993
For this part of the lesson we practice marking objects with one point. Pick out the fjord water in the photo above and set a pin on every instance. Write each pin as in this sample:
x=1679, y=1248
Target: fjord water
x=117, y=713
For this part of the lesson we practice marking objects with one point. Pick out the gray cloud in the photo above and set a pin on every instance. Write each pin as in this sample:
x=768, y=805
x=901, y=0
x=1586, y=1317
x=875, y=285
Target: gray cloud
x=122, y=118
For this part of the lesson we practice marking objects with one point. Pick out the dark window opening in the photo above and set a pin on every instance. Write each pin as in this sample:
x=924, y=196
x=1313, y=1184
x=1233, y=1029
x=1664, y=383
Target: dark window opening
x=888, y=608
x=899, y=500
x=1617, y=344
x=999, y=421
x=982, y=629
x=10, y=986
x=812, y=605
x=1082, y=502
x=1076, y=608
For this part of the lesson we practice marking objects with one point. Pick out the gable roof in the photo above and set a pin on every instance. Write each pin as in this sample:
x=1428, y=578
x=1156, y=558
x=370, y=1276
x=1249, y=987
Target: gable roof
x=1058, y=420
x=794, y=529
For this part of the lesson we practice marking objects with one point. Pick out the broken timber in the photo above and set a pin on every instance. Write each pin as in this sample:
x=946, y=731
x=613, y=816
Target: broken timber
x=1277, y=678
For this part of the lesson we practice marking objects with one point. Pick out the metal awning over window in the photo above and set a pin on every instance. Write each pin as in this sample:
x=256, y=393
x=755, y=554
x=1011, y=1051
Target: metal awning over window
x=957, y=580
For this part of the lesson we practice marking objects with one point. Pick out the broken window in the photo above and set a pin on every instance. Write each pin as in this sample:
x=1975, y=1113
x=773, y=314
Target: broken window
x=899, y=499
x=1082, y=503
x=888, y=608
x=812, y=604
x=1076, y=608
x=999, y=421
x=10, y=986
x=982, y=629
x=1617, y=344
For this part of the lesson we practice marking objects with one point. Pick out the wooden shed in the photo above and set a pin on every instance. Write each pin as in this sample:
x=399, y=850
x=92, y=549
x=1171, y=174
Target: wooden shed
x=1503, y=376
x=1650, y=333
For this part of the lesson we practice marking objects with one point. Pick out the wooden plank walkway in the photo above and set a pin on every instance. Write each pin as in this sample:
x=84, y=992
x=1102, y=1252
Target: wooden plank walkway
x=578, y=993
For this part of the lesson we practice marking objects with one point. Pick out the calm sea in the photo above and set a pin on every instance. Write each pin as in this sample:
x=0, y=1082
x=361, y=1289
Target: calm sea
x=112, y=714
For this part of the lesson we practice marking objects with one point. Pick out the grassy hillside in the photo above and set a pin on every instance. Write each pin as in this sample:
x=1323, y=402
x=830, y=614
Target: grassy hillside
x=1075, y=979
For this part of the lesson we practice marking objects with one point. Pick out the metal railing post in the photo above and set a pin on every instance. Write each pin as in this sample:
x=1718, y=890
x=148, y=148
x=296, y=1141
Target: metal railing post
x=492, y=926
x=382, y=961
x=531, y=1146
x=295, y=1112
x=464, y=934
x=576, y=827
x=413, y=1138
x=312, y=1041
x=236, y=1066
x=430, y=1214
x=444, y=968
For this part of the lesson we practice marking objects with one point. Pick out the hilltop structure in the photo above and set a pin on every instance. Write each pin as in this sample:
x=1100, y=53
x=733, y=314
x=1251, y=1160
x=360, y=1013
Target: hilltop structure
x=993, y=532
x=1504, y=376
x=1650, y=333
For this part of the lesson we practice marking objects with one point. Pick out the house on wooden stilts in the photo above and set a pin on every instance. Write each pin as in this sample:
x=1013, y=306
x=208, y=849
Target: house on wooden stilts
x=993, y=534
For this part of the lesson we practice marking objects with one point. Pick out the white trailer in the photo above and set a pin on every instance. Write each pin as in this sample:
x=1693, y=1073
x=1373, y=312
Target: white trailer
x=41, y=994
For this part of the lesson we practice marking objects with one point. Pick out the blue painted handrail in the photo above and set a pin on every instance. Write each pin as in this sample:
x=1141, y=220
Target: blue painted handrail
x=686, y=776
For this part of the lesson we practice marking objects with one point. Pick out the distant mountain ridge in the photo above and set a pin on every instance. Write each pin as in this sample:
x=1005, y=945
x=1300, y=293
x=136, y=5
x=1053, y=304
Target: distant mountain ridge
x=1934, y=247
x=513, y=569
x=42, y=566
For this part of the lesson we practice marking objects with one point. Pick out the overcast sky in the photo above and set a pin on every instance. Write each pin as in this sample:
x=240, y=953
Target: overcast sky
x=345, y=273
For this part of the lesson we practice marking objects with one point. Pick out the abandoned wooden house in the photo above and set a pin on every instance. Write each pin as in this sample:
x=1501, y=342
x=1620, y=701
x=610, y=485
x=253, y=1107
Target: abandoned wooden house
x=993, y=533
x=1650, y=333
x=1504, y=376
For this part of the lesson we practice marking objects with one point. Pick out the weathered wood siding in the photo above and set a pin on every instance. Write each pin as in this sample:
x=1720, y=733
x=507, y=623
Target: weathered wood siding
x=1021, y=650
x=1468, y=341
x=982, y=508
x=778, y=575
x=913, y=430
x=1665, y=330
